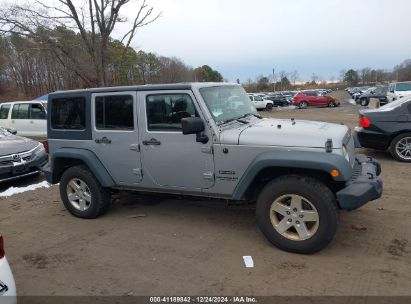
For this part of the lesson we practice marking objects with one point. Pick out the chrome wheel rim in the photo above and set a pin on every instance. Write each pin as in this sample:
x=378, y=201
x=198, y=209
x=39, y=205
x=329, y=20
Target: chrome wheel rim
x=403, y=148
x=303, y=105
x=294, y=217
x=78, y=194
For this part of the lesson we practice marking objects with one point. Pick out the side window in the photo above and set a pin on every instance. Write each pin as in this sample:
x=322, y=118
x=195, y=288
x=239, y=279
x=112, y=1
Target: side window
x=251, y=97
x=164, y=112
x=37, y=111
x=68, y=113
x=114, y=112
x=258, y=98
x=4, y=111
x=20, y=111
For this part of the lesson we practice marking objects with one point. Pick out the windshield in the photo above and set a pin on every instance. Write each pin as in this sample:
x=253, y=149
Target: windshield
x=395, y=104
x=404, y=86
x=227, y=102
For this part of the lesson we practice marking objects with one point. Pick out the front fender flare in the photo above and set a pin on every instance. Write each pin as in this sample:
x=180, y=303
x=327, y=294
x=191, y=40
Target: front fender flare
x=324, y=162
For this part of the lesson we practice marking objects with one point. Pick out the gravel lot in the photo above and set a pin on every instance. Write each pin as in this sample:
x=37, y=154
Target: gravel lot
x=169, y=246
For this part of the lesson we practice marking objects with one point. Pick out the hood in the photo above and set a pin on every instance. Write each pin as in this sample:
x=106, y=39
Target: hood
x=12, y=144
x=297, y=133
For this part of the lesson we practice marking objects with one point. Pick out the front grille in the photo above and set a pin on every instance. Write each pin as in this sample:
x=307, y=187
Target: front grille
x=6, y=163
x=356, y=172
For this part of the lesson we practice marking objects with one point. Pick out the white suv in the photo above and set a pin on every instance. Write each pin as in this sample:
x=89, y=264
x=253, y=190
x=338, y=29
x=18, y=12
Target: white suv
x=260, y=103
x=398, y=90
x=29, y=118
x=7, y=285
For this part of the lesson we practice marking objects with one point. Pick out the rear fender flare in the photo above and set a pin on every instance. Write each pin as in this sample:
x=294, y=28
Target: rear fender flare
x=85, y=156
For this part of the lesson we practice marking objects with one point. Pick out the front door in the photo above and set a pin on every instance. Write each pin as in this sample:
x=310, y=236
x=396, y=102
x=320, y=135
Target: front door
x=115, y=135
x=171, y=159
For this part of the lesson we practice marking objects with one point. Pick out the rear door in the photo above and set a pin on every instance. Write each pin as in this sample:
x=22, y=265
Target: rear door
x=171, y=159
x=115, y=135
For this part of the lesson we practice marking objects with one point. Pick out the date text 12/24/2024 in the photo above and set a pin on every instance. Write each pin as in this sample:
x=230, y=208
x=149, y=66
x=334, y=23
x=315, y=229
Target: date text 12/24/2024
x=204, y=299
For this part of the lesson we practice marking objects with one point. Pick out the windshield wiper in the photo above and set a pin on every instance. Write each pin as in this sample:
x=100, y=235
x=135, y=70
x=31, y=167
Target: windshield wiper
x=240, y=119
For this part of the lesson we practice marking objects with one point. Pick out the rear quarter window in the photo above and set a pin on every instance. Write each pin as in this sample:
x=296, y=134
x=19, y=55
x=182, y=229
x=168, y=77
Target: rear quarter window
x=68, y=113
x=4, y=111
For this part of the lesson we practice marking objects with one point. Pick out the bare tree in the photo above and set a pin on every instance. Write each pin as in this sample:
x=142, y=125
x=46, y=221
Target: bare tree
x=294, y=77
x=94, y=21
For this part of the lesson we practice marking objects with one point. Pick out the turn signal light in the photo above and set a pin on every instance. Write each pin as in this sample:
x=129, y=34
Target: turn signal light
x=364, y=122
x=335, y=173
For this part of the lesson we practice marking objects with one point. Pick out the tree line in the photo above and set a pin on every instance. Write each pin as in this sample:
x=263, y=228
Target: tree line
x=285, y=81
x=369, y=76
x=64, y=45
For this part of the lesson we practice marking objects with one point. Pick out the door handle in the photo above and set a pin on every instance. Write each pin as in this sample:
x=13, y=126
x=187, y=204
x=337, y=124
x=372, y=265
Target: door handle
x=103, y=140
x=151, y=142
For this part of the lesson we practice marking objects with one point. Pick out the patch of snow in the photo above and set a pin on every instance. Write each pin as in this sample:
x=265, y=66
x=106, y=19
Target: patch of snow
x=17, y=190
x=352, y=101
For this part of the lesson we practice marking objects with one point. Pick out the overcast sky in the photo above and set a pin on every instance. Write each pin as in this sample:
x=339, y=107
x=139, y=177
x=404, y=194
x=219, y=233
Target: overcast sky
x=243, y=38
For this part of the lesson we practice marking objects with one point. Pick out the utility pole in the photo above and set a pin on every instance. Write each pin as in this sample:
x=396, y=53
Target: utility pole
x=274, y=79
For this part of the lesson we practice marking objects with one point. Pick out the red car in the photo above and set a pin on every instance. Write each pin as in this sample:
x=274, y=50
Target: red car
x=313, y=98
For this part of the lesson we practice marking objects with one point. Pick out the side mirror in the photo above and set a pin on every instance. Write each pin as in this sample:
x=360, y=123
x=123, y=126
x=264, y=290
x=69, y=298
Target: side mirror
x=194, y=125
x=12, y=131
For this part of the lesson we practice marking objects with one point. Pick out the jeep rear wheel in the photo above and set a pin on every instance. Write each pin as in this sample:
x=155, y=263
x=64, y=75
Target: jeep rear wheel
x=82, y=193
x=297, y=214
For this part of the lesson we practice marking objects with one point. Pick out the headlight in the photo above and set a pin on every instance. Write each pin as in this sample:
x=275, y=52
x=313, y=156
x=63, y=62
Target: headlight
x=40, y=149
x=345, y=154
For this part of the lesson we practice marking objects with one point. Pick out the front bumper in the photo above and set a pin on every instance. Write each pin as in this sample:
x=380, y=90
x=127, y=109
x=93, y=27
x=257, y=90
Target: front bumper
x=29, y=163
x=365, y=185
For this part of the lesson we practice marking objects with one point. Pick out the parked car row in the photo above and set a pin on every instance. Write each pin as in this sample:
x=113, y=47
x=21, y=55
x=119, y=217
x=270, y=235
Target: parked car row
x=301, y=99
x=384, y=93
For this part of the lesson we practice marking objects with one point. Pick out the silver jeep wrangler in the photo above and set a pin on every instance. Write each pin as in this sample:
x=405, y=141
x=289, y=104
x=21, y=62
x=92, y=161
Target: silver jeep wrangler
x=207, y=140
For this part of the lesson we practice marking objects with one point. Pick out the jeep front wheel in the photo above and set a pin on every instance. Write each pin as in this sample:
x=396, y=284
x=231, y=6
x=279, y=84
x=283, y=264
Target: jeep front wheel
x=82, y=193
x=297, y=214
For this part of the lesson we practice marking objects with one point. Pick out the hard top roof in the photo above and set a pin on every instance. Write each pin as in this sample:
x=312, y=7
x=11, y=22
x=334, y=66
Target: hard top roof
x=150, y=87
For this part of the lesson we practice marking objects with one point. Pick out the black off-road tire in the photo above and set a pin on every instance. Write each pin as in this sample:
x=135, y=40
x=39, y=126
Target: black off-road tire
x=313, y=190
x=392, y=149
x=269, y=107
x=303, y=105
x=331, y=104
x=100, y=197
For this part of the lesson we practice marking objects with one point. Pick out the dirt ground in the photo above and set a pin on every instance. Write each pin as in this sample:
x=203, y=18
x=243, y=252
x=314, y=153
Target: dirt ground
x=163, y=246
